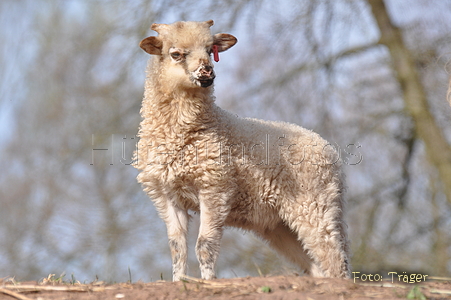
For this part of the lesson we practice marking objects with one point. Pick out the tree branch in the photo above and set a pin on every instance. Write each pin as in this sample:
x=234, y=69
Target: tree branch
x=291, y=73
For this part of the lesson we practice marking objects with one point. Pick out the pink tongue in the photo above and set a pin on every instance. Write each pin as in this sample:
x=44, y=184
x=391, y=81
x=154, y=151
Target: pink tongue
x=215, y=53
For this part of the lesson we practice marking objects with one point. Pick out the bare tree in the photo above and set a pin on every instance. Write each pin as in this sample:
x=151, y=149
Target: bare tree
x=71, y=207
x=416, y=104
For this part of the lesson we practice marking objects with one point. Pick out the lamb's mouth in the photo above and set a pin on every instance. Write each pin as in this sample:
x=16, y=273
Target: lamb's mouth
x=203, y=81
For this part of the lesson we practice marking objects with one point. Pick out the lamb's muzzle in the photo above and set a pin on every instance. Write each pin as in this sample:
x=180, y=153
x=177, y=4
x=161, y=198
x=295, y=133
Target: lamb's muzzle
x=203, y=76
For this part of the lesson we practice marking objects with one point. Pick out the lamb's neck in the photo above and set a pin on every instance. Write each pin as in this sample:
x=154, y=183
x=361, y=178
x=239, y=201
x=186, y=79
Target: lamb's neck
x=179, y=112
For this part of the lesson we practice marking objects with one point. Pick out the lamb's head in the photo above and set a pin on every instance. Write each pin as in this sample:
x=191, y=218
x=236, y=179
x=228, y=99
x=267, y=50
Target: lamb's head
x=185, y=50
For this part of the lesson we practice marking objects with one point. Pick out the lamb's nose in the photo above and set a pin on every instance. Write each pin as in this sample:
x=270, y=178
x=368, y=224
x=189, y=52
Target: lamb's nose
x=206, y=71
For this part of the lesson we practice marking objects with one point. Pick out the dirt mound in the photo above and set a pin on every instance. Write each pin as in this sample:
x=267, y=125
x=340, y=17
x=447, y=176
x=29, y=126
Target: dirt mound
x=280, y=287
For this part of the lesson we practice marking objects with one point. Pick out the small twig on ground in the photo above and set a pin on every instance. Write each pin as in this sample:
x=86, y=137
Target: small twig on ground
x=435, y=291
x=14, y=294
x=40, y=288
x=190, y=279
x=258, y=269
x=208, y=283
x=439, y=278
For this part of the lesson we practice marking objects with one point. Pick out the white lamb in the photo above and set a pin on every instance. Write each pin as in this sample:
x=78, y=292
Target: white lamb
x=279, y=180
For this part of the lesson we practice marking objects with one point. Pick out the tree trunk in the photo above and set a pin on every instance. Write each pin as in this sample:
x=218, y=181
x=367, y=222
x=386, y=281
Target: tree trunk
x=438, y=150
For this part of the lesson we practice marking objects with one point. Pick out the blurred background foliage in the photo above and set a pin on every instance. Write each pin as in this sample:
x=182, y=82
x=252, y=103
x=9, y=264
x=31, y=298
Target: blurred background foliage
x=71, y=80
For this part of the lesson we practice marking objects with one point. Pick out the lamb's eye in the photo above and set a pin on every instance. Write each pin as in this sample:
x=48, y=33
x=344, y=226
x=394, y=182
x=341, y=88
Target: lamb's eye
x=176, y=55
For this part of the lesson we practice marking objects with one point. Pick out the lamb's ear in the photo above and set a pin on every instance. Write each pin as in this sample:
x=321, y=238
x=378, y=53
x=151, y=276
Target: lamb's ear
x=224, y=41
x=209, y=23
x=152, y=45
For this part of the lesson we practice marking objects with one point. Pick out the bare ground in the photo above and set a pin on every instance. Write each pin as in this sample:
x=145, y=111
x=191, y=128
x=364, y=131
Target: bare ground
x=279, y=287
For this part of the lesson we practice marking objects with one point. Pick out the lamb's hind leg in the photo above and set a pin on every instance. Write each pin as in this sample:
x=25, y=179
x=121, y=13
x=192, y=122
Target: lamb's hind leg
x=284, y=241
x=323, y=233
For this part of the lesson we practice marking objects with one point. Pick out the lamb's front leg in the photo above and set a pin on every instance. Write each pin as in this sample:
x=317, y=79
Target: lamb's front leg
x=176, y=220
x=213, y=213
